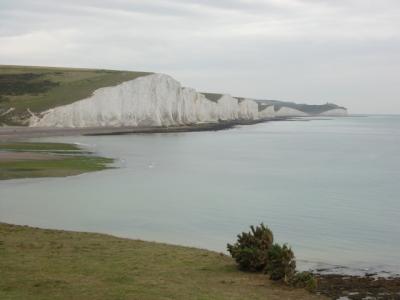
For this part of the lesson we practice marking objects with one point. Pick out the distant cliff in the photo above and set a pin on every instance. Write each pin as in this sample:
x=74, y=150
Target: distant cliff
x=328, y=109
x=285, y=108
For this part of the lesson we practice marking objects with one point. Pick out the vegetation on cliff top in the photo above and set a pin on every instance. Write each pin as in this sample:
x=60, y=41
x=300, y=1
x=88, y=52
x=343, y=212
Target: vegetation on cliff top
x=42, y=88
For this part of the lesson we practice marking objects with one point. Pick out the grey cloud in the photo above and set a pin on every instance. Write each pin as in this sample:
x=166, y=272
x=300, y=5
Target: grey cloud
x=306, y=50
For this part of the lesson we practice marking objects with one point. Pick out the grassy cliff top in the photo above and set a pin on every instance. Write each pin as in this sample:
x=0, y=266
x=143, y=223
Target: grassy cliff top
x=42, y=88
x=51, y=264
x=212, y=96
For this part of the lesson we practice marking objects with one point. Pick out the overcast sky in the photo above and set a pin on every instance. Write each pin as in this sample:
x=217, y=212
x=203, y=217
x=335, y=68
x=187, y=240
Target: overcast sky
x=311, y=51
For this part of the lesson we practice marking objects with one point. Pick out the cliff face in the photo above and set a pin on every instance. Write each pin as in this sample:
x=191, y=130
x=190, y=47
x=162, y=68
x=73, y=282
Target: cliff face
x=154, y=100
x=336, y=112
x=37, y=89
x=292, y=108
x=290, y=112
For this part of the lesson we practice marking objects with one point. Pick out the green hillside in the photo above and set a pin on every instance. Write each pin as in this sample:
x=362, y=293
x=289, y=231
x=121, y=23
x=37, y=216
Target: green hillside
x=212, y=96
x=52, y=264
x=41, y=88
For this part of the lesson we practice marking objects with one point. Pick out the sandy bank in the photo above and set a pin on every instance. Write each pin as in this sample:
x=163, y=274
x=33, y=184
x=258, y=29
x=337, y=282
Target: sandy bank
x=17, y=156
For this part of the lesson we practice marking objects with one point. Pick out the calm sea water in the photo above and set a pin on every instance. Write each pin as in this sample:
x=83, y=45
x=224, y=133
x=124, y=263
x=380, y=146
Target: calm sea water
x=330, y=188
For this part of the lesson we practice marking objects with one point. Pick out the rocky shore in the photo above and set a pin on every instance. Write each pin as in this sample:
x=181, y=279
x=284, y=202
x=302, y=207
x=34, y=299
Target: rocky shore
x=358, y=287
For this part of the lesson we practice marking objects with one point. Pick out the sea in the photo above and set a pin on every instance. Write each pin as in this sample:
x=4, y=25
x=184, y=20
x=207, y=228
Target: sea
x=328, y=187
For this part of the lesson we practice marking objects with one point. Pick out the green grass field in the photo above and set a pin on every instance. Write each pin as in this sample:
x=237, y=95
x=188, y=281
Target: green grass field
x=52, y=168
x=59, y=160
x=41, y=88
x=50, y=264
x=212, y=96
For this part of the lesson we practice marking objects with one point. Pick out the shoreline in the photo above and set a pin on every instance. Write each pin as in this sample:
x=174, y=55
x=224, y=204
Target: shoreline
x=358, y=287
x=328, y=271
x=39, y=160
x=22, y=132
x=43, y=263
x=333, y=286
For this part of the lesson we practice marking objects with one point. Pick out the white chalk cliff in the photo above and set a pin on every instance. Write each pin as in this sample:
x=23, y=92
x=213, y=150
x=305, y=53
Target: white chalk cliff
x=290, y=112
x=153, y=100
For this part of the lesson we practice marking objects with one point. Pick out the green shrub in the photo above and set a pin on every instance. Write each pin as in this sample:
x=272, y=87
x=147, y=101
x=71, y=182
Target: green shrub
x=304, y=280
x=251, y=249
x=254, y=251
x=281, y=263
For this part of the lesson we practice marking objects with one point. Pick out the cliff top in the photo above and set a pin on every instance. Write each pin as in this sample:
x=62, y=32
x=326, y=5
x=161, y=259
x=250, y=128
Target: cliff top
x=42, y=88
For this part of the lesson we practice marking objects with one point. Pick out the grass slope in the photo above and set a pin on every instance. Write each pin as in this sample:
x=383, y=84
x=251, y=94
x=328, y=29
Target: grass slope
x=52, y=168
x=212, y=96
x=41, y=88
x=58, y=160
x=50, y=264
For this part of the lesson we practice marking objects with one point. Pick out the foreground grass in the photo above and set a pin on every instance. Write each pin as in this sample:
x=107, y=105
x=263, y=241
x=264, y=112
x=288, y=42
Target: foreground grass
x=50, y=264
x=41, y=88
x=57, y=160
